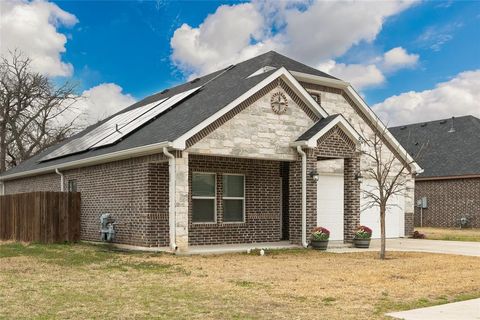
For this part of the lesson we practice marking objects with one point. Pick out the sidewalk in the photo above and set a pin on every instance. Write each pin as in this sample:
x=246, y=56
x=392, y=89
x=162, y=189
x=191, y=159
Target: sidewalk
x=464, y=310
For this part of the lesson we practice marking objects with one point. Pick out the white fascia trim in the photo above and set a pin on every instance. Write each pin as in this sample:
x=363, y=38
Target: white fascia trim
x=341, y=122
x=364, y=108
x=382, y=128
x=109, y=157
x=180, y=143
x=300, y=76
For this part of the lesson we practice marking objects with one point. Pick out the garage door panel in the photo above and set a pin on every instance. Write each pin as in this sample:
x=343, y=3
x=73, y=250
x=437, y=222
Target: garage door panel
x=330, y=204
x=394, y=219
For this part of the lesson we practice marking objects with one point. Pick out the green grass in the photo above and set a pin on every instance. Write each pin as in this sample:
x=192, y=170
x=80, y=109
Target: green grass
x=451, y=234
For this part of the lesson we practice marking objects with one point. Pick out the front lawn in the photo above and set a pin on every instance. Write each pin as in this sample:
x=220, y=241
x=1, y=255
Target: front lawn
x=451, y=234
x=84, y=281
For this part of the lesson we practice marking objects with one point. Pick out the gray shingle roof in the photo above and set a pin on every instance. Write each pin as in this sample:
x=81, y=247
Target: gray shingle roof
x=319, y=125
x=445, y=153
x=220, y=88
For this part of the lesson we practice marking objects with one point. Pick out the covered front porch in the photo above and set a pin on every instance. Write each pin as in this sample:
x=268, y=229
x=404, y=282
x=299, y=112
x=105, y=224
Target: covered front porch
x=242, y=202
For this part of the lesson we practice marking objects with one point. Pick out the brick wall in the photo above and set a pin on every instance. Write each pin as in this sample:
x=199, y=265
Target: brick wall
x=134, y=191
x=448, y=201
x=262, y=201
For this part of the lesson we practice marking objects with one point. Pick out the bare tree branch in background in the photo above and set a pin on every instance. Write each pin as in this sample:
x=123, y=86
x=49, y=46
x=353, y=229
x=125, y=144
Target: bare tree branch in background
x=389, y=174
x=34, y=112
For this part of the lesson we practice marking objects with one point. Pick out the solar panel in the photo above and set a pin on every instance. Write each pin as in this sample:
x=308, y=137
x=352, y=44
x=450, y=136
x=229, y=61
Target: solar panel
x=104, y=130
x=122, y=131
x=117, y=127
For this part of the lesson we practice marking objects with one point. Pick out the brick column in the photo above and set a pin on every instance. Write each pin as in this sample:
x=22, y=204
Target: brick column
x=181, y=201
x=409, y=205
x=295, y=201
x=311, y=191
x=352, y=197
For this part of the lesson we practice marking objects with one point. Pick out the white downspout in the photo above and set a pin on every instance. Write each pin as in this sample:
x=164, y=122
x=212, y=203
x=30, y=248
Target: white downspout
x=171, y=197
x=2, y=188
x=304, y=196
x=62, y=179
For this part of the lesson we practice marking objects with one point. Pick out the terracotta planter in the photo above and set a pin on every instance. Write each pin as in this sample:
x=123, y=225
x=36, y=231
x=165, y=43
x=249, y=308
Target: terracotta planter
x=361, y=243
x=319, y=244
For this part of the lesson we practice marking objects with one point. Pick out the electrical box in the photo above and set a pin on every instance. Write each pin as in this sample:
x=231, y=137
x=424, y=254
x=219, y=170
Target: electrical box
x=422, y=203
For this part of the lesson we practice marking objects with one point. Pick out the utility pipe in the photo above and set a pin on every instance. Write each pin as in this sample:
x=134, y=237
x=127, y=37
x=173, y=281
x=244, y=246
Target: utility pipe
x=2, y=188
x=62, y=179
x=171, y=197
x=304, y=196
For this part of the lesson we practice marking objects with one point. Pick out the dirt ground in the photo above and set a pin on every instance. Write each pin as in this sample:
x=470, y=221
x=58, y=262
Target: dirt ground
x=84, y=281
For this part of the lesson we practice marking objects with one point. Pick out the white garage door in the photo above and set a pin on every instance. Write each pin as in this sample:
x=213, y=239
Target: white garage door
x=330, y=204
x=394, y=219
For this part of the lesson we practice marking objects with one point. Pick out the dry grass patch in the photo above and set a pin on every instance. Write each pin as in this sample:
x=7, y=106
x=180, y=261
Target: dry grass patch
x=451, y=234
x=81, y=281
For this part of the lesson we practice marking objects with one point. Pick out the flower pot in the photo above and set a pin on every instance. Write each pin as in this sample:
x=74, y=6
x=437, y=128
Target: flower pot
x=319, y=244
x=361, y=243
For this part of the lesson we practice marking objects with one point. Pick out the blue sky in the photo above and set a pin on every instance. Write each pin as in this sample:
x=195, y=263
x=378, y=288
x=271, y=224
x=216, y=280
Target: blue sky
x=141, y=47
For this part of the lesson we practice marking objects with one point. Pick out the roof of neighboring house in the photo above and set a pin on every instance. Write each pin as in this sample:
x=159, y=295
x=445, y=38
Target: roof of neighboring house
x=444, y=153
x=218, y=90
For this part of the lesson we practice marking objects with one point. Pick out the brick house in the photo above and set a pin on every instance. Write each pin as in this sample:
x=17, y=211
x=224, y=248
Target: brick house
x=451, y=162
x=231, y=157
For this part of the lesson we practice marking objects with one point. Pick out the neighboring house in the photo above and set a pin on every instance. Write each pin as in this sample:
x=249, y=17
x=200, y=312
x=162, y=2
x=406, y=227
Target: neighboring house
x=451, y=162
x=230, y=157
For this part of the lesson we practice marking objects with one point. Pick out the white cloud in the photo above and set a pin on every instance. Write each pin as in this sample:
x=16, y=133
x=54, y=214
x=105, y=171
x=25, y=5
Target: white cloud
x=309, y=31
x=373, y=72
x=457, y=97
x=397, y=58
x=223, y=38
x=101, y=101
x=32, y=28
x=359, y=75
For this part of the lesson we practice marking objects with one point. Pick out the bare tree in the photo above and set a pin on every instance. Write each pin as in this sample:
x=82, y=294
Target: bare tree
x=389, y=170
x=33, y=110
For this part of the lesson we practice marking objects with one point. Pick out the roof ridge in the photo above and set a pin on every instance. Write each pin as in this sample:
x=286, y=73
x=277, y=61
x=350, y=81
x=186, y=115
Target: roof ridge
x=437, y=120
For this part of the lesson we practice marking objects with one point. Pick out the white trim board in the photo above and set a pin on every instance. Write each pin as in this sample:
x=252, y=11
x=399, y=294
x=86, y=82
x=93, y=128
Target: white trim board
x=104, y=158
x=350, y=91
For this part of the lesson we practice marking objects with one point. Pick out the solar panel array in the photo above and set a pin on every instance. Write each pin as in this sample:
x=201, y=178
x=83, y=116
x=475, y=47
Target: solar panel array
x=119, y=126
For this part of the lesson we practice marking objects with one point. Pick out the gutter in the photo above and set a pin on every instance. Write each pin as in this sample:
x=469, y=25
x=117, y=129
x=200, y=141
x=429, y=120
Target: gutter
x=62, y=179
x=304, y=196
x=171, y=198
x=113, y=156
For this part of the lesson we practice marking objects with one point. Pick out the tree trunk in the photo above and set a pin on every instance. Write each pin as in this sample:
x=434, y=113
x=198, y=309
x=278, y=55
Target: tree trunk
x=382, y=232
x=3, y=143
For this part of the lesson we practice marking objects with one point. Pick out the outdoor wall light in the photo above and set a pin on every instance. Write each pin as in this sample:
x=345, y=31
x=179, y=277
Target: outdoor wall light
x=314, y=175
x=359, y=177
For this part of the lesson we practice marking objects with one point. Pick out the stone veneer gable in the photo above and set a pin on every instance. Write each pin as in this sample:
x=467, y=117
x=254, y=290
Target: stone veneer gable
x=255, y=130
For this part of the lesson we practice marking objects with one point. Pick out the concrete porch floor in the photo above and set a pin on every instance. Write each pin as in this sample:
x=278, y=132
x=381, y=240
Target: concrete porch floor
x=243, y=247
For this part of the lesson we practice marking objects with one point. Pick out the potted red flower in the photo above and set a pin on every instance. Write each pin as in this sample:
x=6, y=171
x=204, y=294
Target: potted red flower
x=319, y=238
x=362, y=237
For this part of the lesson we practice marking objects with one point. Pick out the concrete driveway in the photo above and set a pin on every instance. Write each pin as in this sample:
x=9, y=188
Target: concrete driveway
x=422, y=245
x=464, y=310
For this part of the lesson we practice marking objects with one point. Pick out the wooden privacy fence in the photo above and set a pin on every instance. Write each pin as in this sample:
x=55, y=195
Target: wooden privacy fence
x=45, y=217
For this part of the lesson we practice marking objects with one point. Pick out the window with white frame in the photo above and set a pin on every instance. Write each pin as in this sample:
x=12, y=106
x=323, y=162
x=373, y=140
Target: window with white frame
x=203, y=197
x=233, y=198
